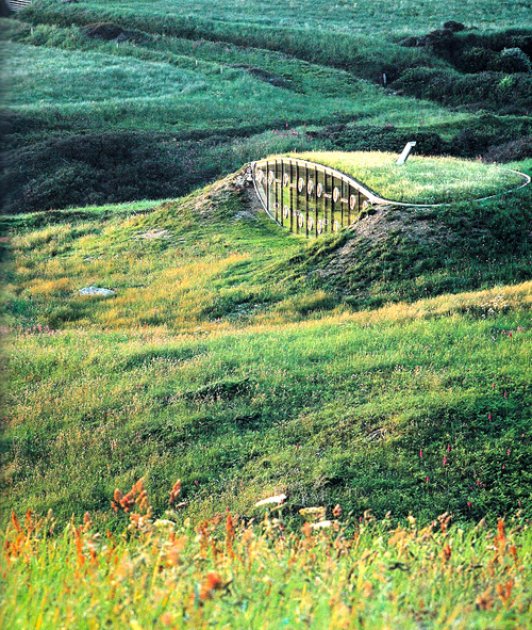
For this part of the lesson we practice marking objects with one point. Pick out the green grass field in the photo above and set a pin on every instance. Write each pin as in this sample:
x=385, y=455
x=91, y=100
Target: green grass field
x=374, y=383
x=106, y=87
x=373, y=16
x=234, y=355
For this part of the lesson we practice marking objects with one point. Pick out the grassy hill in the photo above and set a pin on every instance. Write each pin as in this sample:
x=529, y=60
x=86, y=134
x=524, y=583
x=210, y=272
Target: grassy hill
x=421, y=179
x=232, y=357
x=369, y=376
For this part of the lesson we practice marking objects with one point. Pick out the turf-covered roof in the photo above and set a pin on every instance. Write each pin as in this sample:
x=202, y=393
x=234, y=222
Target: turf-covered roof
x=421, y=179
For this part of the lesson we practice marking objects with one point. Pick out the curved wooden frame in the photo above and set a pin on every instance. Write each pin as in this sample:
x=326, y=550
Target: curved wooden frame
x=17, y=5
x=308, y=197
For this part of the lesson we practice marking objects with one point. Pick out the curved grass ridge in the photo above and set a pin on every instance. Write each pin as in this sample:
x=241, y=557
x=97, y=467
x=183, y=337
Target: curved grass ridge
x=422, y=179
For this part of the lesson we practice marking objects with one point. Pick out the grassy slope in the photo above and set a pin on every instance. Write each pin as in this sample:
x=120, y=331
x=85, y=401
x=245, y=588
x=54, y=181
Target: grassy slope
x=421, y=179
x=73, y=145
x=214, y=93
x=81, y=145
x=374, y=16
x=194, y=371
x=231, y=356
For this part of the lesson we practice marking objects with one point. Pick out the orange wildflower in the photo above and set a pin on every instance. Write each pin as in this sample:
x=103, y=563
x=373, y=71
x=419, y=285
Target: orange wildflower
x=175, y=492
x=504, y=591
x=79, y=546
x=212, y=582
x=229, y=534
x=15, y=521
x=484, y=601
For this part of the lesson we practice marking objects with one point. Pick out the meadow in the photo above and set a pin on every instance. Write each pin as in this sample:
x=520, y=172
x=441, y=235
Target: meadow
x=405, y=16
x=245, y=360
x=423, y=179
x=342, y=423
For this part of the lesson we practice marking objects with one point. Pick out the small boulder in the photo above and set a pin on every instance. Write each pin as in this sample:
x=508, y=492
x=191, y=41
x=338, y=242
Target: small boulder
x=97, y=291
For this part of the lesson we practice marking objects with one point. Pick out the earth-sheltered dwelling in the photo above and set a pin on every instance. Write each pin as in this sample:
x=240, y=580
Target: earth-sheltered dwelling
x=316, y=193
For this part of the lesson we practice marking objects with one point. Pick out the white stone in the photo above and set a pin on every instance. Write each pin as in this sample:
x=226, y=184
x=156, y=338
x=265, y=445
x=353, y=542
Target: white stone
x=276, y=500
x=96, y=291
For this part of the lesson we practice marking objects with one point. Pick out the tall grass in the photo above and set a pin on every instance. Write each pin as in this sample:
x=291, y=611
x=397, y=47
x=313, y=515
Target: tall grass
x=230, y=355
x=334, y=572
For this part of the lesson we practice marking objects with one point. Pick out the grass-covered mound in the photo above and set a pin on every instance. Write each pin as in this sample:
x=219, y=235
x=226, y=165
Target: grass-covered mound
x=230, y=357
x=421, y=179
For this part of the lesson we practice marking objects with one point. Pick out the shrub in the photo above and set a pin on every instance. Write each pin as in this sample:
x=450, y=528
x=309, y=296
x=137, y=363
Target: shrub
x=514, y=60
x=358, y=138
x=486, y=90
x=477, y=59
x=96, y=168
x=512, y=151
x=453, y=26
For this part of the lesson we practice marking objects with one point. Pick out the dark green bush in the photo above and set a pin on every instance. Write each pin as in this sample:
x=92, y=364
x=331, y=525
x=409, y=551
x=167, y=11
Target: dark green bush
x=477, y=59
x=512, y=151
x=510, y=94
x=454, y=26
x=96, y=169
x=388, y=138
x=514, y=60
